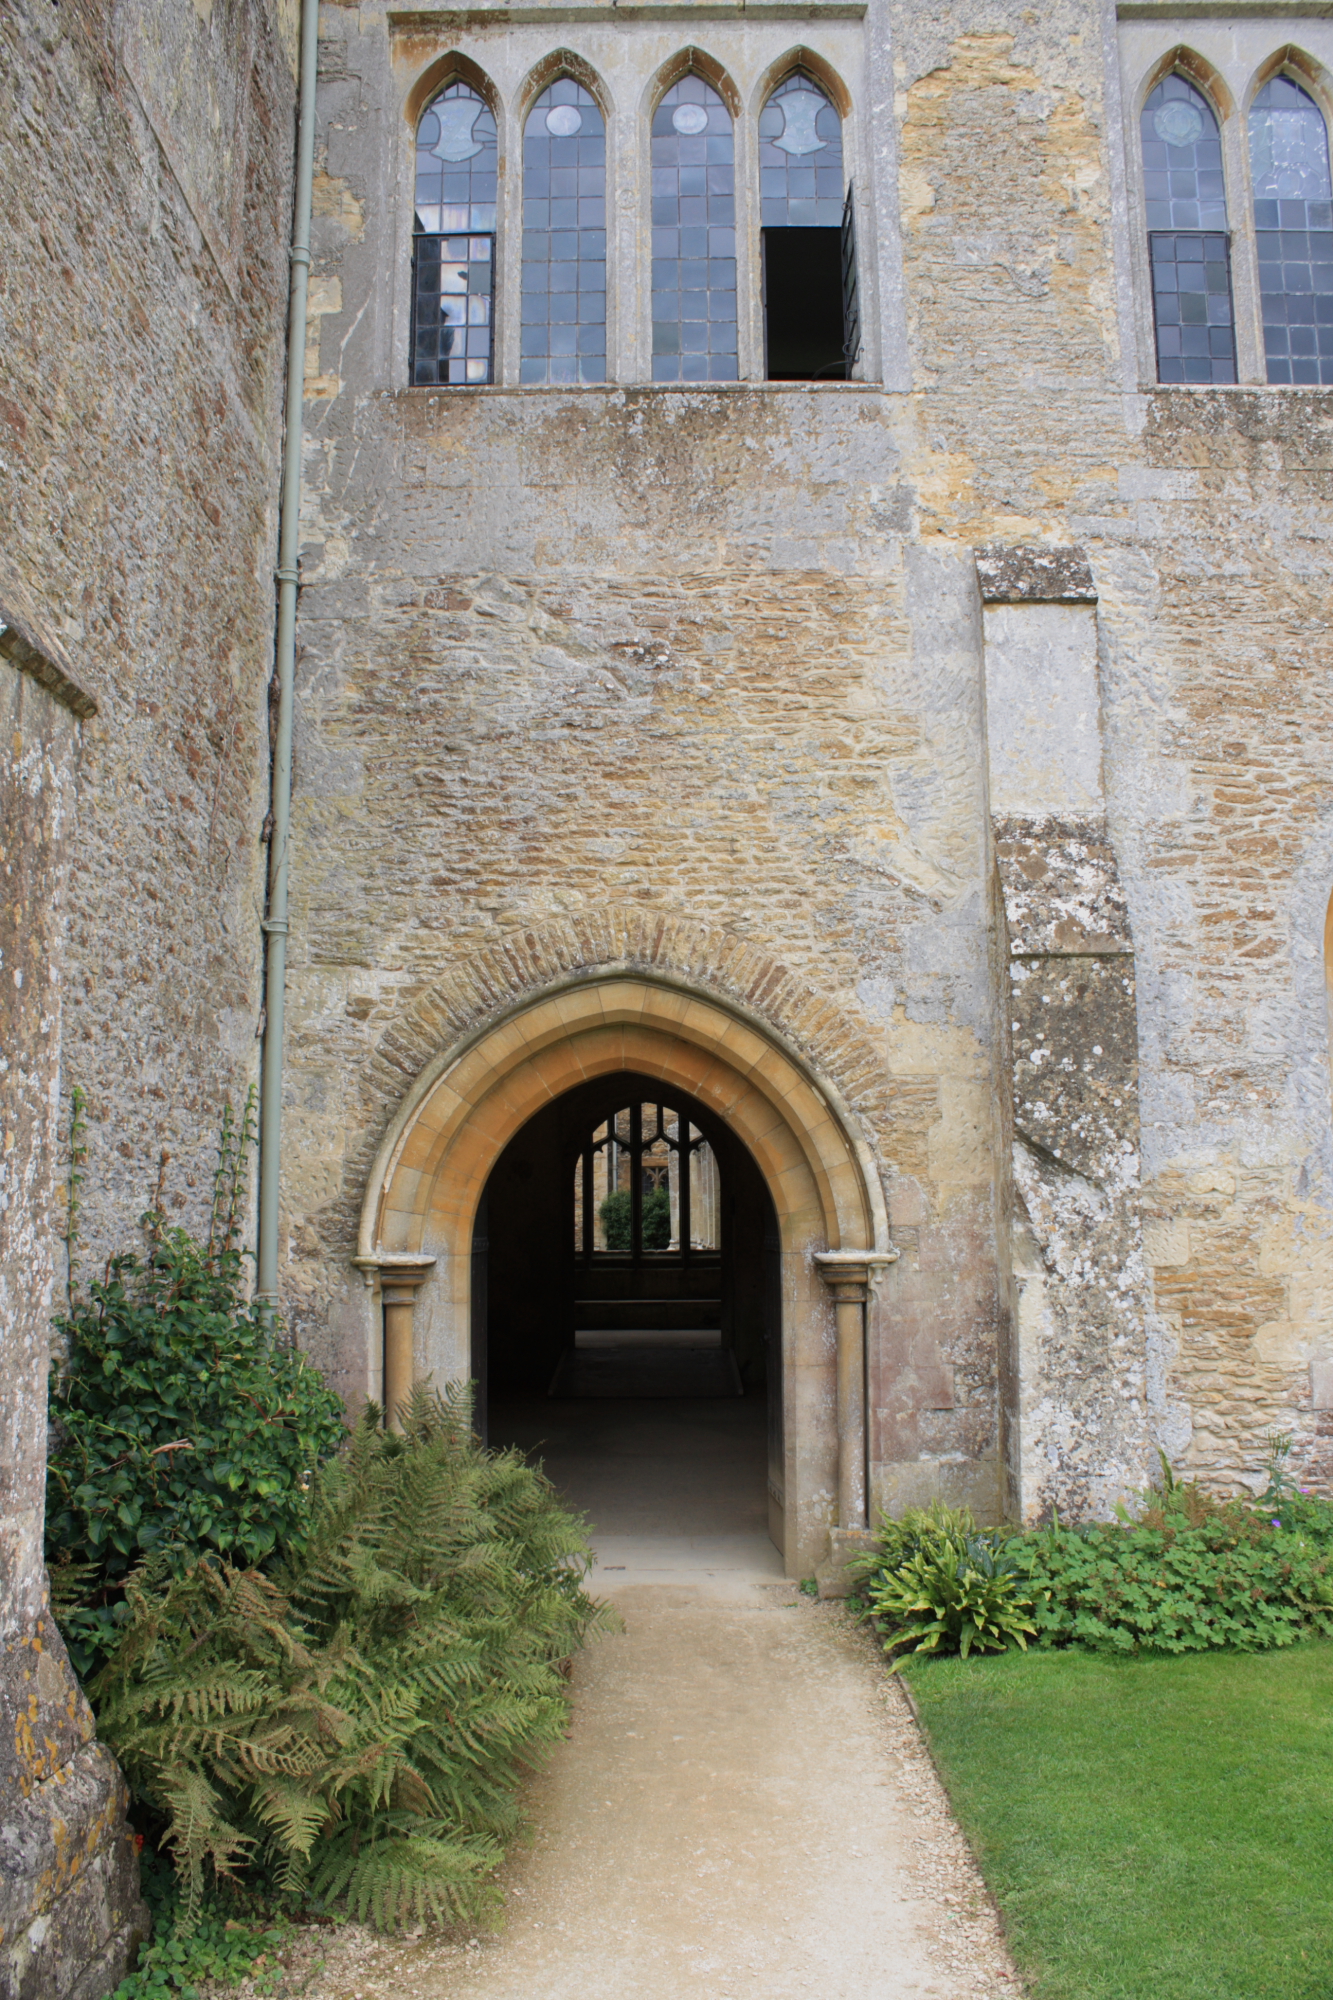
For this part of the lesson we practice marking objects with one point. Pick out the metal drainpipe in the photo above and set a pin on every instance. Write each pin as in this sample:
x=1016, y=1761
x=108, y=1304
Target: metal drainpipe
x=275, y=924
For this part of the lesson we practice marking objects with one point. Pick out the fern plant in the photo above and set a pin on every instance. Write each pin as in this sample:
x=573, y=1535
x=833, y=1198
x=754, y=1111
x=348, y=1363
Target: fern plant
x=353, y=1725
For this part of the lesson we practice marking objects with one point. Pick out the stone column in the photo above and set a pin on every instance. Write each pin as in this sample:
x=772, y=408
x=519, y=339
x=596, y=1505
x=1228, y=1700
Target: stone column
x=401, y=1274
x=849, y=1275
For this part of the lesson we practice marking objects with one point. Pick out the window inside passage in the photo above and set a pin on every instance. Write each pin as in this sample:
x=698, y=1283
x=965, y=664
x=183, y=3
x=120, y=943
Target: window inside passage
x=800, y=213
x=1293, y=224
x=694, y=236
x=453, y=251
x=646, y=1180
x=1188, y=243
x=564, y=237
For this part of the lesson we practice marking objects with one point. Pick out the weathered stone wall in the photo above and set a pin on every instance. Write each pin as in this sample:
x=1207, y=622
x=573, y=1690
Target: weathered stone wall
x=505, y=723
x=718, y=656
x=145, y=158
x=145, y=155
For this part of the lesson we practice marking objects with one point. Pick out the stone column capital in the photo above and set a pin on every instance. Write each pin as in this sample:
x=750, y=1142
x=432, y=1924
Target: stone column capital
x=851, y=1274
x=400, y=1273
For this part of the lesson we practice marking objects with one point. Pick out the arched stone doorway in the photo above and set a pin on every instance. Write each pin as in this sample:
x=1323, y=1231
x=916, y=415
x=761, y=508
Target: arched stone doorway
x=428, y=1180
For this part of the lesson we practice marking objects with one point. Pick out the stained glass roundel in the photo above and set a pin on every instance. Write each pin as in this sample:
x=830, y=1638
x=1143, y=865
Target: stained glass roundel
x=1178, y=123
x=689, y=118
x=1182, y=159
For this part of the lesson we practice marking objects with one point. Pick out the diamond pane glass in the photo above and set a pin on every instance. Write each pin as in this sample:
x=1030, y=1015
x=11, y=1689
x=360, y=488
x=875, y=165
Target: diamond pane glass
x=564, y=238
x=1293, y=224
x=453, y=252
x=800, y=158
x=694, y=236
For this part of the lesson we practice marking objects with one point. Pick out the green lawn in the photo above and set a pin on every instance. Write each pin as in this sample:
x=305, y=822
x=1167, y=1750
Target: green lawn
x=1152, y=1829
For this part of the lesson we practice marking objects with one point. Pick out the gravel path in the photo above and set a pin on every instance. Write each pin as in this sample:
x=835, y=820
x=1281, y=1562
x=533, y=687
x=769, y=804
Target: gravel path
x=744, y=1808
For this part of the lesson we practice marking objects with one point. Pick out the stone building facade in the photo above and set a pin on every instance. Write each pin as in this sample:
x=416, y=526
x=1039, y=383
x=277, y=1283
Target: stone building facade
x=955, y=731
x=145, y=173
x=921, y=769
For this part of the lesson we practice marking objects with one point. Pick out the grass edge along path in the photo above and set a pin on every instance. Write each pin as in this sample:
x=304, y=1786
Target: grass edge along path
x=1153, y=1827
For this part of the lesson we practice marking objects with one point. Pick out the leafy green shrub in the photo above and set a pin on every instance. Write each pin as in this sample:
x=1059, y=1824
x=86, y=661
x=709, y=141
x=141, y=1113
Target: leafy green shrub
x=616, y=1216
x=185, y=1426
x=1233, y=1582
x=353, y=1725
x=937, y=1584
x=1188, y=1573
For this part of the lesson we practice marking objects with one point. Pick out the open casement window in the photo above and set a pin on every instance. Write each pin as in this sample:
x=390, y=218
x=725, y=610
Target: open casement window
x=1293, y=227
x=453, y=247
x=851, y=287
x=802, y=226
x=1188, y=245
x=564, y=237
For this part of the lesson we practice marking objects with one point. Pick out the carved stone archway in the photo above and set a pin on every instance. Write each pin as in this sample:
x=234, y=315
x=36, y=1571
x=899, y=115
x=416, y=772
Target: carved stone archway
x=466, y=1105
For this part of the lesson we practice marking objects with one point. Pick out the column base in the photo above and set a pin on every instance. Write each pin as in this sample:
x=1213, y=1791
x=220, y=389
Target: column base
x=833, y=1575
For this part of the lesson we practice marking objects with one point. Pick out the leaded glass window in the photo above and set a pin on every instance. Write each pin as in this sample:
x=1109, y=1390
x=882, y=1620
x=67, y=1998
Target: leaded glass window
x=453, y=249
x=800, y=158
x=564, y=237
x=1293, y=222
x=1188, y=244
x=694, y=236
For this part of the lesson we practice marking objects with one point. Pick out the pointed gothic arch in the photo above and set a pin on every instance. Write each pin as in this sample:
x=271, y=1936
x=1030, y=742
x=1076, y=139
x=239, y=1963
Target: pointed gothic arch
x=424, y=1187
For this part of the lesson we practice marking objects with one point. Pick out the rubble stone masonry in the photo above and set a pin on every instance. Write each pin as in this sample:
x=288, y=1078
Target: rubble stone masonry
x=145, y=161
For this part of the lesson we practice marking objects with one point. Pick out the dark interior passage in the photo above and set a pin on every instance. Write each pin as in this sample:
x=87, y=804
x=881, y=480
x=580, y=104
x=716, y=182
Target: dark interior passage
x=625, y=1285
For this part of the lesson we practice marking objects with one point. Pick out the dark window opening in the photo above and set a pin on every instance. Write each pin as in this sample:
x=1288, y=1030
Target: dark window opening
x=803, y=305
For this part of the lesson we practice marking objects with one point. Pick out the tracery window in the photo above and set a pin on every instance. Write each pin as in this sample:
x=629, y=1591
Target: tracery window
x=1293, y=223
x=802, y=229
x=646, y=1181
x=453, y=246
x=1188, y=245
x=564, y=237
x=694, y=236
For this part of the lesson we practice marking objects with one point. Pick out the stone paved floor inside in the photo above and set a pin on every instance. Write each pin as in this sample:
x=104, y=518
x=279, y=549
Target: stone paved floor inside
x=743, y=1807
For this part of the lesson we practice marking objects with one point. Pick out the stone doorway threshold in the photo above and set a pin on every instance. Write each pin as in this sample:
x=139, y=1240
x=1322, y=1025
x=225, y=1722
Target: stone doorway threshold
x=743, y=1809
